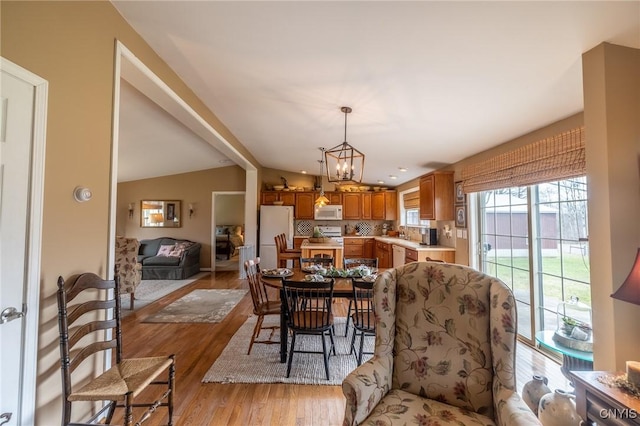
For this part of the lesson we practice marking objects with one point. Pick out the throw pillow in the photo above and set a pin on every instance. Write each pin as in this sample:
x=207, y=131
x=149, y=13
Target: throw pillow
x=177, y=252
x=165, y=251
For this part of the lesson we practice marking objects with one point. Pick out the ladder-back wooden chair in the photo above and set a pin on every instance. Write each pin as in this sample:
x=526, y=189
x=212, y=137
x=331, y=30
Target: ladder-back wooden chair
x=306, y=262
x=284, y=253
x=363, y=317
x=89, y=325
x=355, y=262
x=308, y=307
x=262, y=306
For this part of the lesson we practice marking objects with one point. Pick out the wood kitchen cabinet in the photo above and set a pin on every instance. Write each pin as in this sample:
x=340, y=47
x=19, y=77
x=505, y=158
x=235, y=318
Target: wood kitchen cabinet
x=445, y=256
x=304, y=205
x=410, y=255
x=334, y=198
x=288, y=198
x=383, y=253
x=359, y=247
x=352, y=206
x=383, y=205
x=436, y=196
x=366, y=205
x=369, y=248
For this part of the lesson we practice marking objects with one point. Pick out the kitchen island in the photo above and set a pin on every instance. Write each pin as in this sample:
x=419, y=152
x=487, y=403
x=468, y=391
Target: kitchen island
x=329, y=249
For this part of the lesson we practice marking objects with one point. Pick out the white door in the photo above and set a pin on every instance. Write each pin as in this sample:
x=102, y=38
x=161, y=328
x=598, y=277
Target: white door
x=21, y=124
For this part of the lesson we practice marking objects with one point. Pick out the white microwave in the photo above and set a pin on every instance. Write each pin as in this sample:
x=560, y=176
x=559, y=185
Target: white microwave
x=328, y=212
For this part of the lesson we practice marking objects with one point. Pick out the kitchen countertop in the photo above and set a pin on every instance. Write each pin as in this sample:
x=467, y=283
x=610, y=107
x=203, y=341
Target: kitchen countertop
x=390, y=240
x=330, y=245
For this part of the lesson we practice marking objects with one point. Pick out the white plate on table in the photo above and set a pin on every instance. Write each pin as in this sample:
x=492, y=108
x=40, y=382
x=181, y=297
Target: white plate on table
x=277, y=273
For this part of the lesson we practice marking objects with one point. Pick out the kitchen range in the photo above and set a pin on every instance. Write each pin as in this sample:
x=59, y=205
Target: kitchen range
x=333, y=248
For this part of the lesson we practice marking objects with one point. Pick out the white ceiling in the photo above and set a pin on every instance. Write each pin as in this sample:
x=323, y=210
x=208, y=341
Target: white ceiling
x=430, y=83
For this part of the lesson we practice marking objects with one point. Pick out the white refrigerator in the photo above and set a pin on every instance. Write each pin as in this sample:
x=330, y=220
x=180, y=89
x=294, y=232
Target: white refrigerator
x=274, y=220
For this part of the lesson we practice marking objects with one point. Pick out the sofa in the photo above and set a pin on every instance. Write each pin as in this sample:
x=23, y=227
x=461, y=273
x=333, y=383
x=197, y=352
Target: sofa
x=168, y=258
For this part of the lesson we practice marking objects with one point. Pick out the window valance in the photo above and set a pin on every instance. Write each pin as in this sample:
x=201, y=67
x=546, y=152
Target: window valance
x=558, y=157
x=411, y=200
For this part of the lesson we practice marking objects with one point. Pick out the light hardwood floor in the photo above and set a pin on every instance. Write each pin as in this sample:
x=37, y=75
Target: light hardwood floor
x=197, y=346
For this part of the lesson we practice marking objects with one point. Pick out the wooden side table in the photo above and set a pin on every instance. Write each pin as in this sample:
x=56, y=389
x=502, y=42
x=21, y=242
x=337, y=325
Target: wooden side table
x=601, y=404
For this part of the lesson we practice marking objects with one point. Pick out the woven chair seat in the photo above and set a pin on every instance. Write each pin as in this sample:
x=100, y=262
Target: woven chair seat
x=131, y=375
x=270, y=307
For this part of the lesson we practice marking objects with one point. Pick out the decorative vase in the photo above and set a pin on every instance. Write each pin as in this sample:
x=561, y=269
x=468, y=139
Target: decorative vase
x=533, y=390
x=558, y=409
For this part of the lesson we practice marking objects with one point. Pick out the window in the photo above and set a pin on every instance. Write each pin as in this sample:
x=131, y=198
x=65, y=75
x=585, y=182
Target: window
x=410, y=208
x=534, y=238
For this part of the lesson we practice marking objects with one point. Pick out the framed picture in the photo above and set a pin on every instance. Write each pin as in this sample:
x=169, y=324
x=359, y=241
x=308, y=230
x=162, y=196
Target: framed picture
x=460, y=198
x=461, y=216
x=171, y=211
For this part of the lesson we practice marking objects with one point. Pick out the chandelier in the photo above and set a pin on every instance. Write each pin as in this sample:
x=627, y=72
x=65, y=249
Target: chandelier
x=321, y=200
x=344, y=162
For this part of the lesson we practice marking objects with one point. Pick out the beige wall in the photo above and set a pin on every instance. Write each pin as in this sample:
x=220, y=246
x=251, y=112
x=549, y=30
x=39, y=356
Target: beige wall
x=72, y=45
x=611, y=76
x=272, y=177
x=229, y=209
x=195, y=188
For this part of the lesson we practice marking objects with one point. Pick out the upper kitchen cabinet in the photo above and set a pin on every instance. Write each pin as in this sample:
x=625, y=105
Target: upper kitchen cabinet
x=384, y=205
x=351, y=206
x=305, y=205
x=334, y=198
x=288, y=198
x=366, y=205
x=436, y=196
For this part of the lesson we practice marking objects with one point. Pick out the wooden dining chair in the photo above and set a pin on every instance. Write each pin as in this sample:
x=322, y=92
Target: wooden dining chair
x=354, y=262
x=262, y=306
x=308, y=307
x=363, y=317
x=284, y=253
x=318, y=260
x=89, y=326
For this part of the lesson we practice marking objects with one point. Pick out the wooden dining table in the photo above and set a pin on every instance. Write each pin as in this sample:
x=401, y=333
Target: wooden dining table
x=343, y=287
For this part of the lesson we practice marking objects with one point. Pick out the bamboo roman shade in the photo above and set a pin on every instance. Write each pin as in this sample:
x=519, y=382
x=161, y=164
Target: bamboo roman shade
x=411, y=200
x=558, y=157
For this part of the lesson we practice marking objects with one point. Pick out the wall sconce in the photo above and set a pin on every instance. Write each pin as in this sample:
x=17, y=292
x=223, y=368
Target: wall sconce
x=130, y=210
x=81, y=194
x=190, y=210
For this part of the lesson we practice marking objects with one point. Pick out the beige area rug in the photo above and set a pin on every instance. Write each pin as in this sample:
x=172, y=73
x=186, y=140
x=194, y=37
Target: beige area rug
x=200, y=305
x=264, y=366
x=149, y=291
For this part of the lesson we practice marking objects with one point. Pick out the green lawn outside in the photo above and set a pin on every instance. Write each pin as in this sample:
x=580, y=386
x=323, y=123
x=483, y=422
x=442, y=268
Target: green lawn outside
x=573, y=267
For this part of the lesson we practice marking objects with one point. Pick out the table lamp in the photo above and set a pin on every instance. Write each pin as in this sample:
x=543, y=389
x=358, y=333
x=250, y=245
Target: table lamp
x=629, y=291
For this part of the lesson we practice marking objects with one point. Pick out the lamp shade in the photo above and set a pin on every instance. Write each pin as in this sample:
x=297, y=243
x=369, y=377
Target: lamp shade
x=321, y=200
x=156, y=218
x=629, y=291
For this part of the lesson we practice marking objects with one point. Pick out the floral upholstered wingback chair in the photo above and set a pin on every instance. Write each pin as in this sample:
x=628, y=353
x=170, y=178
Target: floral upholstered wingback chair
x=127, y=267
x=444, y=352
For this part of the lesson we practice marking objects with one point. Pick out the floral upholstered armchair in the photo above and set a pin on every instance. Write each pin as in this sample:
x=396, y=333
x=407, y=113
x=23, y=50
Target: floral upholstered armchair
x=127, y=267
x=444, y=352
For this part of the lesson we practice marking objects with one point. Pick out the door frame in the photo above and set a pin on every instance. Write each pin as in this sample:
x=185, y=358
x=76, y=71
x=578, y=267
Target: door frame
x=214, y=194
x=34, y=239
